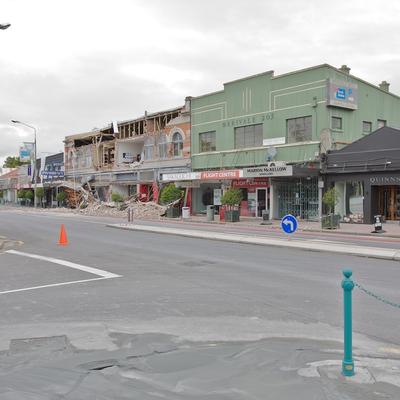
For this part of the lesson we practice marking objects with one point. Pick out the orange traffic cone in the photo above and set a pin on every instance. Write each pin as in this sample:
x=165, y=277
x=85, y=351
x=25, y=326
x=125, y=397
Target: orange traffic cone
x=63, y=236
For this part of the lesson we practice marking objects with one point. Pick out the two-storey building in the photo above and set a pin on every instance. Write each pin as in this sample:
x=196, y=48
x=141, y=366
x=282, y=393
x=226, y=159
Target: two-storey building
x=129, y=157
x=266, y=134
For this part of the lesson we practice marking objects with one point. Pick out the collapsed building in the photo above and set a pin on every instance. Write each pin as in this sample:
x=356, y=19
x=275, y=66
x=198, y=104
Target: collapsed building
x=129, y=157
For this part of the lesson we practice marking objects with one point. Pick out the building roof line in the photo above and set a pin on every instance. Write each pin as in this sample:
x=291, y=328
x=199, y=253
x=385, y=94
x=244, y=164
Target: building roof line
x=325, y=65
x=336, y=70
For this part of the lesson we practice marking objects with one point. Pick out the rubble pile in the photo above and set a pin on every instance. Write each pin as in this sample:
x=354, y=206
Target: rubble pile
x=86, y=201
x=100, y=209
x=111, y=209
x=146, y=210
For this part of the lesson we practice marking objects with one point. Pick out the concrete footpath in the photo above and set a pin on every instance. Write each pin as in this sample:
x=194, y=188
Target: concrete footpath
x=155, y=366
x=308, y=244
x=389, y=229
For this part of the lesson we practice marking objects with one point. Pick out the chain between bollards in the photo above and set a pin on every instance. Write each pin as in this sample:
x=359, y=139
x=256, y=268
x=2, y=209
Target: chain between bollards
x=348, y=286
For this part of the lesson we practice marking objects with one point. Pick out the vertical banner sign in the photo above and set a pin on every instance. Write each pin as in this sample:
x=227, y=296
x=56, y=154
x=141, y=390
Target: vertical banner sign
x=26, y=151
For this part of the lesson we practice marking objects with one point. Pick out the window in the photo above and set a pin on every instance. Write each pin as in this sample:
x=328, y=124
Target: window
x=162, y=146
x=367, y=127
x=207, y=141
x=381, y=123
x=337, y=123
x=299, y=129
x=148, y=148
x=177, y=144
x=249, y=136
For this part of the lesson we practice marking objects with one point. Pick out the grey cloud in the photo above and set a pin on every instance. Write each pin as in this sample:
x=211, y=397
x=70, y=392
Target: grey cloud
x=217, y=41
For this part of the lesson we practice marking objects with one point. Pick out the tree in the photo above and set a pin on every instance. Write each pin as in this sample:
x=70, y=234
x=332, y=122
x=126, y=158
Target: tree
x=232, y=197
x=21, y=194
x=61, y=197
x=170, y=194
x=29, y=195
x=40, y=194
x=13, y=162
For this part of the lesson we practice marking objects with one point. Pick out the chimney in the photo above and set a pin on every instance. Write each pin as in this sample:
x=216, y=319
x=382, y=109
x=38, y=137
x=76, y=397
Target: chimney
x=384, y=86
x=345, y=69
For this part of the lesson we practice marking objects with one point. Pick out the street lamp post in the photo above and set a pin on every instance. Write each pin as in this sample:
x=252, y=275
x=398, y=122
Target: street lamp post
x=34, y=162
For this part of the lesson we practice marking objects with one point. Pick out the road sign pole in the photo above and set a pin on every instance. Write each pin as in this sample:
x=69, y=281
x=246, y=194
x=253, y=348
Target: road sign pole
x=347, y=285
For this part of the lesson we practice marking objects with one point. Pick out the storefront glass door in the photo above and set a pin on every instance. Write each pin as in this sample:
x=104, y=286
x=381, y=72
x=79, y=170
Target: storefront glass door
x=262, y=201
x=389, y=202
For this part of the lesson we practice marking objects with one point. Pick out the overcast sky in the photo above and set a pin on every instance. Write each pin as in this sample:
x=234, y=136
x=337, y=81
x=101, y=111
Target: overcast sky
x=67, y=66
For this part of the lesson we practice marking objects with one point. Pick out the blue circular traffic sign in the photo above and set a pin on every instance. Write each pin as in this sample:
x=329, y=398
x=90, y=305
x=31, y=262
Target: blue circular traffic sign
x=289, y=224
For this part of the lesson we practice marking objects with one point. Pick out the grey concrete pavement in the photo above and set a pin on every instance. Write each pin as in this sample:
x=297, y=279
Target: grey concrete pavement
x=289, y=242
x=198, y=291
x=155, y=366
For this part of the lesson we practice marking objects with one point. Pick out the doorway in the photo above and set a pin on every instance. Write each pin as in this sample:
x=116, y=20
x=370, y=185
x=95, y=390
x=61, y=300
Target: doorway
x=389, y=202
x=262, y=201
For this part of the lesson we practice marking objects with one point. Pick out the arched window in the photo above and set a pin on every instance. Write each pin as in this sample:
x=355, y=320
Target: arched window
x=162, y=146
x=177, y=143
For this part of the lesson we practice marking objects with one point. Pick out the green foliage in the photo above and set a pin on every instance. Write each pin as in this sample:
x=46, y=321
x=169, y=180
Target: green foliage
x=232, y=197
x=21, y=194
x=170, y=194
x=40, y=193
x=13, y=162
x=116, y=197
x=330, y=199
x=29, y=195
x=61, y=196
x=1, y=194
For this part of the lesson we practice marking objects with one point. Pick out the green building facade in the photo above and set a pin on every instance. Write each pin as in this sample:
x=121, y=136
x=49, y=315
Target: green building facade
x=289, y=120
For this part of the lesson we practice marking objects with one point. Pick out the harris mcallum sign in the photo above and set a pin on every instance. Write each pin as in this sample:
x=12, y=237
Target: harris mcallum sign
x=272, y=169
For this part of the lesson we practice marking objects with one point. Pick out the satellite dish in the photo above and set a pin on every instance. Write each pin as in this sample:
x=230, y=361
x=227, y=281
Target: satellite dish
x=271, y=153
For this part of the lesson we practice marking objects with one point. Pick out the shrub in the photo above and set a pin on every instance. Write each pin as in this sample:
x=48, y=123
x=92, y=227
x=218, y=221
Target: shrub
x=1, y=194
x=170, y=194
x=330, y=199
x=21, y=194
x=116, y=197
x=232, y=197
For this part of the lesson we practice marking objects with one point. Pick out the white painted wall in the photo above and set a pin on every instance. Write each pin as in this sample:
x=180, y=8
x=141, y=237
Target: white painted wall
x=133, y=147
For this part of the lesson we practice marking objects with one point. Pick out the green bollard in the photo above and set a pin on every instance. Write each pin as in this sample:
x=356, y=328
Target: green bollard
x=347, y=285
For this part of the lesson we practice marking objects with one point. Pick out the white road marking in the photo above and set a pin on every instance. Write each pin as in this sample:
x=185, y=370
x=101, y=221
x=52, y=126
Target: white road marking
x=69, y=264
x=52, y=285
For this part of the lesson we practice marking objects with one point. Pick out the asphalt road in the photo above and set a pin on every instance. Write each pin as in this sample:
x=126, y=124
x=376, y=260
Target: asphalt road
x=196, y=289
x=171, y=276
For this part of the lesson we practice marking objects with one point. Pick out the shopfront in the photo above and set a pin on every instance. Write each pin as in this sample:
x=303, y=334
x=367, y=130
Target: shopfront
x=255, y=196
x=297, y=196
x=361, y=196
x=270, y=188
x=366, y=176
